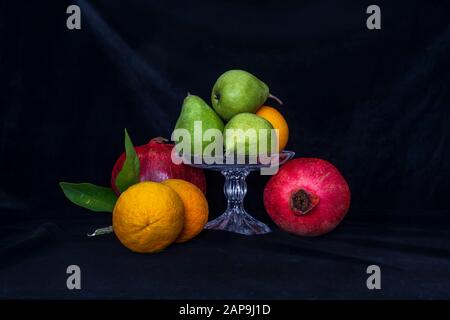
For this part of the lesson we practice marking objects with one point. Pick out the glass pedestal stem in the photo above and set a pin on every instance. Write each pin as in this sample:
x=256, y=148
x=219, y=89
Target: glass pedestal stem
x=235, y=218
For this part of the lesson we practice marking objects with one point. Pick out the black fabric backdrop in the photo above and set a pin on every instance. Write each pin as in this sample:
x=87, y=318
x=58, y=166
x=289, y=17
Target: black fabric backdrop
x=374, y=103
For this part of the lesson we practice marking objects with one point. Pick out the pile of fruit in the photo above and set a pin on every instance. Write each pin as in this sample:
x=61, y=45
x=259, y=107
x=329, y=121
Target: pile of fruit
x=237, y=97
x=156, y=202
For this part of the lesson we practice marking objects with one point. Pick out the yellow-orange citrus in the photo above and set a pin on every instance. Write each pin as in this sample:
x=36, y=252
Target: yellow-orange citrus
x=278, y=122
x=195, y=208
x=148, y=217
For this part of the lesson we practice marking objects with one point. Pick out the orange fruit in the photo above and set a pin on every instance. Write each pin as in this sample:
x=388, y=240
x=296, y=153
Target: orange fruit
x=148, y=217
x=278, y=122
x=195, y=207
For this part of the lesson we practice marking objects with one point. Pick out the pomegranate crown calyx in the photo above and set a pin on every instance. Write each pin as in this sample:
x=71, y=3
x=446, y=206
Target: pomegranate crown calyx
x=303, y=201
x=159, y=140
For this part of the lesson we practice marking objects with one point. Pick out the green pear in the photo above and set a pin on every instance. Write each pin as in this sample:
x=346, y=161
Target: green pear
x=195, y=112
x=242, y=135
x=237, y=91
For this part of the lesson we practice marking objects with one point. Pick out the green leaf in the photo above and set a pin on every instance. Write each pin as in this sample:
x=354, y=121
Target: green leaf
x=90, y=196
x=130, y=172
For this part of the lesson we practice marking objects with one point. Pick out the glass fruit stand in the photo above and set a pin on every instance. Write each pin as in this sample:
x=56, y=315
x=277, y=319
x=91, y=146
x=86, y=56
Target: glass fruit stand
x=235, y=218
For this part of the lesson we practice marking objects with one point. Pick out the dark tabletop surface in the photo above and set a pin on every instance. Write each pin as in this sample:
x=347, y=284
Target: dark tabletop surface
x=414, y=263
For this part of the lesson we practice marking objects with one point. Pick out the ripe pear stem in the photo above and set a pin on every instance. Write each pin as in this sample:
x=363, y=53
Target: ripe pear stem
x=275, y=98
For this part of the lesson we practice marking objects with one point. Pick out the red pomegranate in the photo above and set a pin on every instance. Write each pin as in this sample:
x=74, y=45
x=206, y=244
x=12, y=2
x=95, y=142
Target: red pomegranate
x=307, y=197
x=156, y=165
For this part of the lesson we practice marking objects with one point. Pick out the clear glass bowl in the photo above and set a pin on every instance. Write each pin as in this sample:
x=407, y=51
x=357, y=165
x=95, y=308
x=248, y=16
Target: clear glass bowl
x=235, y=218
